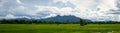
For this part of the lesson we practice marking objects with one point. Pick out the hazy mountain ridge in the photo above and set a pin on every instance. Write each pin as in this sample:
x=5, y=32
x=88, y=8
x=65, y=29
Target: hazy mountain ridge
x=59, y=18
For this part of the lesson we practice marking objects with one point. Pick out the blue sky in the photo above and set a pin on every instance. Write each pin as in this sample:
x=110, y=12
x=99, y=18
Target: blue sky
x=96, y=10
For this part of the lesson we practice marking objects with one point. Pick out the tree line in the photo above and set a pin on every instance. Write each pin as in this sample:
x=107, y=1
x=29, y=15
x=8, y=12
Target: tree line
x=15, y=21
x=82, y=22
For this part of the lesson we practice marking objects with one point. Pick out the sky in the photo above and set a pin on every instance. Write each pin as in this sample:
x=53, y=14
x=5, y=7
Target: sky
x=96, y=10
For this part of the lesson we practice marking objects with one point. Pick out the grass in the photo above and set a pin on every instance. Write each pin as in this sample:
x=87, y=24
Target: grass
x=61, y=28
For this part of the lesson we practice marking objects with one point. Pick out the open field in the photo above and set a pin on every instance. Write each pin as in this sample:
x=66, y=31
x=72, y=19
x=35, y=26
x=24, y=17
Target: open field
x=61, y=28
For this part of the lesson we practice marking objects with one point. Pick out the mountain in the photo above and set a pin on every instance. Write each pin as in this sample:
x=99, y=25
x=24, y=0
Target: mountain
x=59, y=18
x=21, y=19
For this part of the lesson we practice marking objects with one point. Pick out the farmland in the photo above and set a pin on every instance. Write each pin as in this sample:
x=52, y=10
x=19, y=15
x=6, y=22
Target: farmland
x=59, y=28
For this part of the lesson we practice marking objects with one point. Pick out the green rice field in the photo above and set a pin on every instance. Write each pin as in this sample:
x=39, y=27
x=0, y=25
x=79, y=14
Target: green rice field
x=61, y=28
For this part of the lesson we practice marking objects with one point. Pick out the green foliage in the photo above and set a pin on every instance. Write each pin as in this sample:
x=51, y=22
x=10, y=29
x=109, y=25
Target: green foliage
x=82, y=22
x=15, y=21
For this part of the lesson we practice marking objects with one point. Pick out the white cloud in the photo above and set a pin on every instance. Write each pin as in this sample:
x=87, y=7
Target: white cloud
x=9, y=16
x=110, y=4
x=88, y=9
x=19, y=1
x=94, y=9
x=64, y=1
x=65, y=11
x=54, y=10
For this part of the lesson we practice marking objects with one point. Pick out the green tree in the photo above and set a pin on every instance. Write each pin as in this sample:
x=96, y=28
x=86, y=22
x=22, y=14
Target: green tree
x=82, y=23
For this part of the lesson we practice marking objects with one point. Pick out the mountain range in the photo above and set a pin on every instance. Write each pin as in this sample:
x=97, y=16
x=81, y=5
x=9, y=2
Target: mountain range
x=58, y=18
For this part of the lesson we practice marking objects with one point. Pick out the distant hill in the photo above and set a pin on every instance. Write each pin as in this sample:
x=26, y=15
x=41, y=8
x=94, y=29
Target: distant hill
x=59, y=18
x=22, y=19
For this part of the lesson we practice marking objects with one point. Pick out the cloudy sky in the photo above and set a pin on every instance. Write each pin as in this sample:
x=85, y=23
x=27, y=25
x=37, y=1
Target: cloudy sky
x=96, y=10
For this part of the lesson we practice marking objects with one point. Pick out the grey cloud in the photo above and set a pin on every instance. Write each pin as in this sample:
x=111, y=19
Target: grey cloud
x=118, y=3
x=13, y=7
x=114, y=12
x=36, y=2
x=62, y=5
